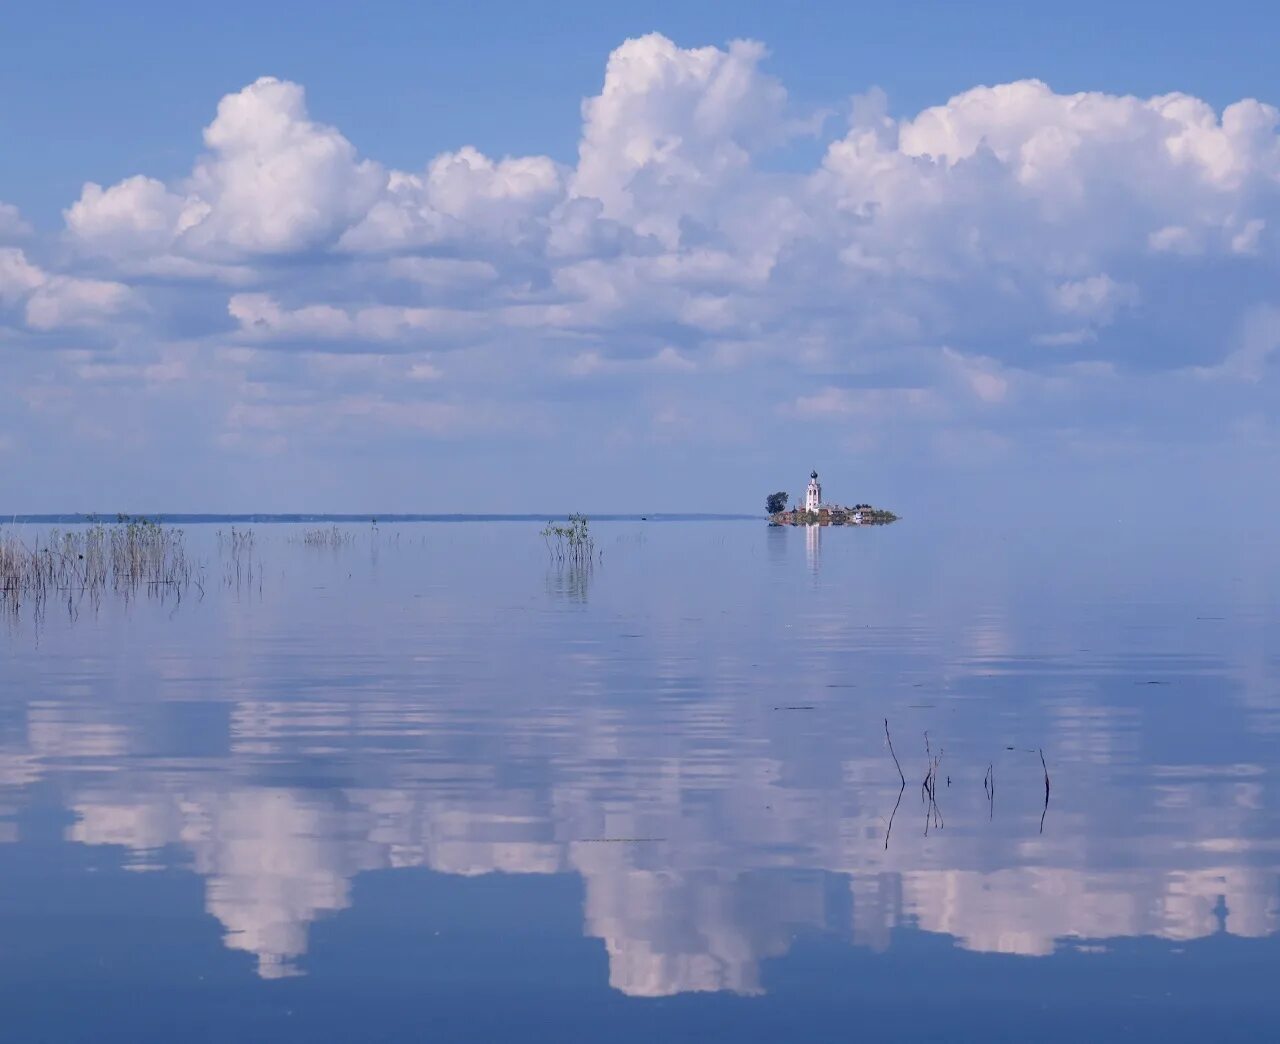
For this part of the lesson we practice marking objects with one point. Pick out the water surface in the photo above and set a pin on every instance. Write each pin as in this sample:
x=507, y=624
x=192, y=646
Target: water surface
x=431, y=784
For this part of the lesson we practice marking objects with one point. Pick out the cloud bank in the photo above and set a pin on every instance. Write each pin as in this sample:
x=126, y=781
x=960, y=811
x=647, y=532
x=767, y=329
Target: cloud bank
x=1013, y=263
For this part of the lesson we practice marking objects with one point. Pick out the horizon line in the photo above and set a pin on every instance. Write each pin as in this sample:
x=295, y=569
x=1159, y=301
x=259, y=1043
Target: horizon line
x=40, y=518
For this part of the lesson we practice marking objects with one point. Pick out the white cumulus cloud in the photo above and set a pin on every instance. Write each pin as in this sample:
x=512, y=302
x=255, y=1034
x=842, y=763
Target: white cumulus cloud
x=973, y=261
x=52, y=300
x=272, y=182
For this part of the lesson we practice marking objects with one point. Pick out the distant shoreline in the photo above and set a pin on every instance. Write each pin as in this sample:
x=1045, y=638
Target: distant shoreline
x=186, y=519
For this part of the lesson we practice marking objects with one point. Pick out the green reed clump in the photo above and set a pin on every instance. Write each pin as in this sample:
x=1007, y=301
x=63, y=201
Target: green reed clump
x=19, y=573
x=77, y=564
x=143, y=552
x=571, y=543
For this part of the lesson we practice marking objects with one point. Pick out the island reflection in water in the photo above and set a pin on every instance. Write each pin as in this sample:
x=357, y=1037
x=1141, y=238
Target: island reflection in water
x=693, y=729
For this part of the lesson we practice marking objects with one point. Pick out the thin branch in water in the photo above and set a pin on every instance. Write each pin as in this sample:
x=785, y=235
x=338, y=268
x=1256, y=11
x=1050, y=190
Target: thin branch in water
x=989, y=788
x=929, y=788
x=1046, y=790
x=901, y=790
x=889, y=740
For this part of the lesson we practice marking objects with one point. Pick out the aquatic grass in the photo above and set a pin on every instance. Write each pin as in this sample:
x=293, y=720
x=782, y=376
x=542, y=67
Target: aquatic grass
x=329, y=538
x=573, y=552
x=78, y=564
x=241, y=564
x=571, y=543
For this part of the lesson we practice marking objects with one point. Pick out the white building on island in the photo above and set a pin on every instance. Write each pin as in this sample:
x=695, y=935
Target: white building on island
x=813, y=495
x=816, y=511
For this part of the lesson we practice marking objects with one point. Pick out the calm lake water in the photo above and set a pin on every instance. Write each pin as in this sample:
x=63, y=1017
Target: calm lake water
x=429, y=785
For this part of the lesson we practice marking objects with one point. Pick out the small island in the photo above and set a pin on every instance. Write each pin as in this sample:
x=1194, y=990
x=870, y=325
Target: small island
x=817, y=513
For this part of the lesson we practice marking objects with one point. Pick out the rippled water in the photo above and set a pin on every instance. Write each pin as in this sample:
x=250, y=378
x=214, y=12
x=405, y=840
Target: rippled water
x=429, y=785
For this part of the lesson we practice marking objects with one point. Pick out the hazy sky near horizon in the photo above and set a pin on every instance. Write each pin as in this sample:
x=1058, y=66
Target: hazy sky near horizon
x=416, y=258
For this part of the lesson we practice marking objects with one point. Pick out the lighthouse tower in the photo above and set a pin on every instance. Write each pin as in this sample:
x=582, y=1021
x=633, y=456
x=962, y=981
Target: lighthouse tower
x=813, y=495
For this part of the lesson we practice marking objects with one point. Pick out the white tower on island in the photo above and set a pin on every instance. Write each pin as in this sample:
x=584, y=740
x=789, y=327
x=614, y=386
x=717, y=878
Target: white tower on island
x=813, y=495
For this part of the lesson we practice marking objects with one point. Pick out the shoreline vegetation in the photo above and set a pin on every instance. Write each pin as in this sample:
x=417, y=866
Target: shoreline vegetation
x=775, y=506
x=859, y=515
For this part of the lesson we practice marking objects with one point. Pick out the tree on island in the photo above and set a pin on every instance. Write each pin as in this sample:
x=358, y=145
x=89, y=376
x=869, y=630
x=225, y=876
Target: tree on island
x=776, y=502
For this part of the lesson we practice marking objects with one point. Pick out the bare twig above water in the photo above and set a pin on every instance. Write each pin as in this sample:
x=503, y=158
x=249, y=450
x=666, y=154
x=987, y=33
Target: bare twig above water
x=889, y=740
x=929, y=788
x=901, y=790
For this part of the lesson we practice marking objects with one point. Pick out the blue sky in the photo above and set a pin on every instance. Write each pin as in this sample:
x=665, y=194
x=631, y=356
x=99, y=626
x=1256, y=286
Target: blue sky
x=127, y=87
x=423, y=257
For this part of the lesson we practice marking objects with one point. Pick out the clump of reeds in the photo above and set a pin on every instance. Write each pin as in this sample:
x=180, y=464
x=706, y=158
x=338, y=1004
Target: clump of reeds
x=241, y=566
x=133, y=555
x=572, y=543
x=330, y=538
x=20, y=573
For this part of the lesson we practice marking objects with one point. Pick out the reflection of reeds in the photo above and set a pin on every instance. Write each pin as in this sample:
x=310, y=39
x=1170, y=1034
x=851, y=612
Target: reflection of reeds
x=79, y=564
x=571, y=580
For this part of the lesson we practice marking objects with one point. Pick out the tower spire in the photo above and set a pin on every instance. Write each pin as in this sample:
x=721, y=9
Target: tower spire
x=813, y=495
